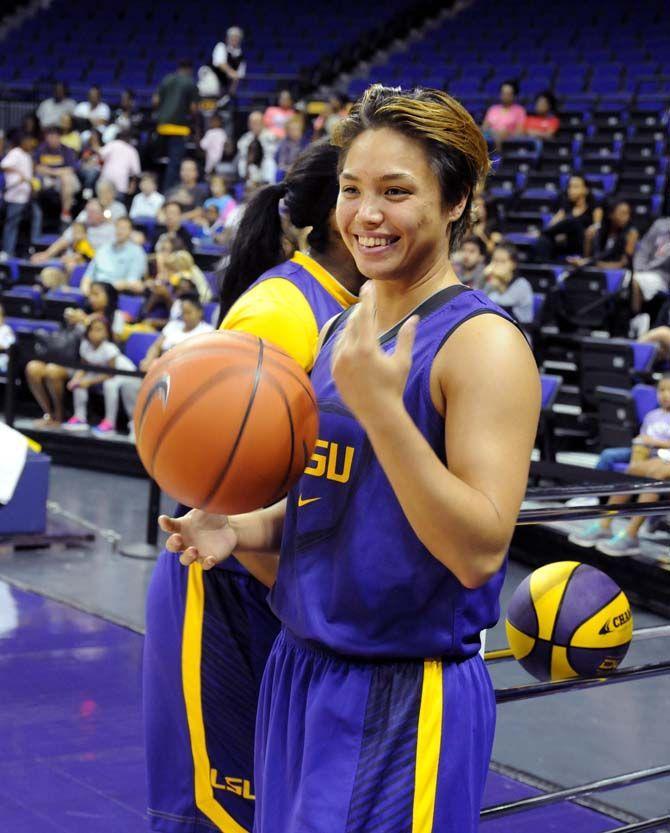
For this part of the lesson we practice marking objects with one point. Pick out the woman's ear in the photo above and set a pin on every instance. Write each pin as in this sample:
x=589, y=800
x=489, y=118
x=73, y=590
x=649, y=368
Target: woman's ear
x=457, y=210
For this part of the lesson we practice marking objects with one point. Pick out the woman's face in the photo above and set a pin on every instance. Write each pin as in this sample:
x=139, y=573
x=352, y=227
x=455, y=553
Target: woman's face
x=503, y=263
x=98, y=297
x=389, y=209
x=542, y=105
x=577, y=189
x=621, y=215
x=191, y=315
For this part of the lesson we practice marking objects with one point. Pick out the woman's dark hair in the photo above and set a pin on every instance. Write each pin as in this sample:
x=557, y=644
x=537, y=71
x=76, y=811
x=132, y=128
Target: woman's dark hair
x=455, y=146
x=476, y=241
x=112, y=298
x=511, y=250
x=551, y=98
x=511, y=83
x=590, y=199
x=99, y=319
x=255, y=152
x=309, y=194
x=192, y=298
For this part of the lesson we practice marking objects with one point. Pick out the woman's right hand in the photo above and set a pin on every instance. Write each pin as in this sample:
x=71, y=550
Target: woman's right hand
x=199, y=536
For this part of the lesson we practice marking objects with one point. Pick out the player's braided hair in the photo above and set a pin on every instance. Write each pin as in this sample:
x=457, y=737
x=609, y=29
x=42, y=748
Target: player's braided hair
x=309, y=194
x=455, y=146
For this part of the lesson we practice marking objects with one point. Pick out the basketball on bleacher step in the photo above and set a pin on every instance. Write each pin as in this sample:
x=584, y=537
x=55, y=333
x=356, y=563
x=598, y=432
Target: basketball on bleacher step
x=569, y=620
x=225, y=422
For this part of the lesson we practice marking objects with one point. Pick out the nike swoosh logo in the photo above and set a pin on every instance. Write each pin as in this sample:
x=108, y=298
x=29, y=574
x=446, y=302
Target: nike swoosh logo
x=304, y=501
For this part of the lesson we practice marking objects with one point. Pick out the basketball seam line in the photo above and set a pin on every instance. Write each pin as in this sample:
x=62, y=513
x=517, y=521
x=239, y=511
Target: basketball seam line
x=186, y=404
x=560, y=606
x=618, y=593
x=224, y=473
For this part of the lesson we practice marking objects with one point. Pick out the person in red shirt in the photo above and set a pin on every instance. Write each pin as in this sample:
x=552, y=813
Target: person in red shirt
x=544, y=122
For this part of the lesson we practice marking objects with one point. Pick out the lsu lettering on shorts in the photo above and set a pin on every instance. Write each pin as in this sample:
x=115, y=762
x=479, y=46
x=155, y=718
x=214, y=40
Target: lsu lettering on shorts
x=209, y=634
x=348, y=746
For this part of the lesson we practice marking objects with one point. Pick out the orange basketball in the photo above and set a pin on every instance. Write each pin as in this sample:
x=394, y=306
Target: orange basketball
x=225, y=422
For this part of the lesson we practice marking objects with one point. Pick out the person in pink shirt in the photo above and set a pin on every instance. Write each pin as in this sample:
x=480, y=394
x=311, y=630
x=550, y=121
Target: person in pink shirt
x=17, y=167
x=213, y=143
x=275, y=118
x=121, y=161
x=506, y=119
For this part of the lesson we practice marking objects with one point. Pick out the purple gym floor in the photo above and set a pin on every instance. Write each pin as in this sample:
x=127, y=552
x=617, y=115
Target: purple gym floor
x=71, y=735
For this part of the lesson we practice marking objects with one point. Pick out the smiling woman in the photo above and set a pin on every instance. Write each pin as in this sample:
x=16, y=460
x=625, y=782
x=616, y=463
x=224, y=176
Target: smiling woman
x=376, y=711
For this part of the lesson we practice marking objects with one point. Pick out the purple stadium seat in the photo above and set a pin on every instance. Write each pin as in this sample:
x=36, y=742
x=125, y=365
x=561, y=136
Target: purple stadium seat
x=137, y=346
x=131, y=305
x=77, y=275
x=550, y=388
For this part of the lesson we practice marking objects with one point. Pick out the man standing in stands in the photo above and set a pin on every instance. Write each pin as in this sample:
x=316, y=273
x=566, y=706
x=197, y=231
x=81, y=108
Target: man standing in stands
x=228, y=63
x=176, y=102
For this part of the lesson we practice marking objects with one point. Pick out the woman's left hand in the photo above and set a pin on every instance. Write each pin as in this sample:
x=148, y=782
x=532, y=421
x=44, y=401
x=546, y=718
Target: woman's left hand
x=370, y=380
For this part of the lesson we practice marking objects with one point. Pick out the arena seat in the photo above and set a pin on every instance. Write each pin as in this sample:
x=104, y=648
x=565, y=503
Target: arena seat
x=551, y=386
x=22, y=302
x=616, y=363
x=130, y=305
x=57, y=301
x=621, y=412
x=137, y=345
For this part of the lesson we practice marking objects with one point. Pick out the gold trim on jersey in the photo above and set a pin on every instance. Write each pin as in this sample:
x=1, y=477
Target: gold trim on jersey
x=191, y=658
x=328, y=282
x=428, y=743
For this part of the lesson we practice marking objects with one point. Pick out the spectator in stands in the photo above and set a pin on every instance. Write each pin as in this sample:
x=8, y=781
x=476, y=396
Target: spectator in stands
x=183, y=277
x=90, y=162
x=506, y=119
x=70, y=137
x=483, y=227
x=257, y=134
x=148, y=202
x=98, y=350
x=544, y=122
x=175, y=332
x=121, y=164
x=228, y=63
x=645, y=462
x=7, y=338
x=176, y=102
x=505, y=288
x=94, y=112
x=52, y=109
x=30, y=127
x=111, y=207
x=172, y=227
x=124, y=119
x=214, y=143
x=289, y=148
x=17, y=167
x=221, y=200
x=276, y=116
x=651, y=264
x=47, y=380
x=99, y=230
x=189, y=193
x=336, y=108
x=56, y=166
x=565, y=233
x=469, y=262
x=123, y=263
x=611, y=244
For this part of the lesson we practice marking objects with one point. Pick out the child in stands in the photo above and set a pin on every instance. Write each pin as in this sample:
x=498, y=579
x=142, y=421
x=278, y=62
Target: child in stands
x=645, y=462
x=148, y=202
x=97, y=349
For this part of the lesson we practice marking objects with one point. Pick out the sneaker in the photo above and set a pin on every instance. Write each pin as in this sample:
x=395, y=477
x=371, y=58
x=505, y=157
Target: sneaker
x=590, y=536
x=75, y=424
x=620, y=544
x=104, y=429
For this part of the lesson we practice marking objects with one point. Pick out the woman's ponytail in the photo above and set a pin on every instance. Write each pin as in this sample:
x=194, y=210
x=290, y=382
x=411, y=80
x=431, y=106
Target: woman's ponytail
x=257, y=245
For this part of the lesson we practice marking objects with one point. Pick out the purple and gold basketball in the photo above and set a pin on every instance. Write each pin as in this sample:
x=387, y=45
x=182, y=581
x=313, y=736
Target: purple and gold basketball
x=569, y=620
